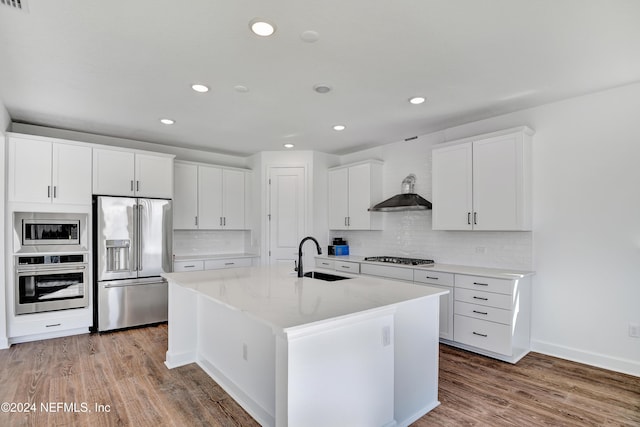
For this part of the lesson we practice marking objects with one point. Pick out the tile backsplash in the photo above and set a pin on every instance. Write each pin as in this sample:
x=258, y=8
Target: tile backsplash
x=409, y=234
x=210, y=242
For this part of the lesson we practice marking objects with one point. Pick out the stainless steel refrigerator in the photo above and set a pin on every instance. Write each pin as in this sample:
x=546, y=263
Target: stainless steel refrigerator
x=133, y=246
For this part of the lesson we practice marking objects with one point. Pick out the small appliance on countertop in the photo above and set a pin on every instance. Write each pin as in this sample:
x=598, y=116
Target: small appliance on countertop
x=400, y=260
x=339, y=247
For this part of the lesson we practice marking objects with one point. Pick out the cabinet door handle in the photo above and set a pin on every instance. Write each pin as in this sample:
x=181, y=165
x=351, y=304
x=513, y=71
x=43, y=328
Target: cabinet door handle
x=55, y=191
x=349, y=221
x=196, y=220
x=220, y=221
x=480, y=284
x=137, y=185
x=480, y=312
x=481, y=298
x=475, y=218
x=345, y=221
x=131, y=185
x=48, y=191
x=479, y=334
x=224, y=221
x=468, y=218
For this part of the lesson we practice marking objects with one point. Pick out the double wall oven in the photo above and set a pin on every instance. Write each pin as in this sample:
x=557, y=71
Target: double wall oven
x=50, y=262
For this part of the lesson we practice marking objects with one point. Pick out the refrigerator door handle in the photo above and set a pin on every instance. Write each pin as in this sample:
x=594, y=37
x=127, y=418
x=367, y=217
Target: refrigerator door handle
x=135, y=236
x=139, y=237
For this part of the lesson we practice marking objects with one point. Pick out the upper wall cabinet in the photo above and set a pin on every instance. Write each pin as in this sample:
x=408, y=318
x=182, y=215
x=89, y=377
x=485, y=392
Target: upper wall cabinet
x=128, y=173
x=353, y=189
x=43, y=171
x=209, y=197
x=484, y=182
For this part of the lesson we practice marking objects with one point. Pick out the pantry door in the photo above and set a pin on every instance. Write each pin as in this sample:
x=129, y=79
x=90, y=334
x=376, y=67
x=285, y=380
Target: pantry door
x=287, y=201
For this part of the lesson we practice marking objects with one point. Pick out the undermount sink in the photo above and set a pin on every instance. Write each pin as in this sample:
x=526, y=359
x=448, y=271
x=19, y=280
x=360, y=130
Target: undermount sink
x=324, y=276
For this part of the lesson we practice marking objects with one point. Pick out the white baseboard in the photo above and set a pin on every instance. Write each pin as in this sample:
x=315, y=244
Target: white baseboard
x=626, y=366
x=4, y=343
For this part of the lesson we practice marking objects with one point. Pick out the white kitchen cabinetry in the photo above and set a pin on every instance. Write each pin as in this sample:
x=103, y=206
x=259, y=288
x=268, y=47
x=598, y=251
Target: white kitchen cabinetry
x=442, y=281
x=212, y=263
x=483, y=182
x=492, y=316
x=353, y=189
x=132, y=174
x=43, y=171
x=209, y=198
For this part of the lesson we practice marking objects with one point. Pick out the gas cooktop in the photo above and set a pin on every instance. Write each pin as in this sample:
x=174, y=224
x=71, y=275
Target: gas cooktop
x=399, y=260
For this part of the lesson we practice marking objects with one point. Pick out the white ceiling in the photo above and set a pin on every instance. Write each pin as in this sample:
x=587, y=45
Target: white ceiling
x=117, y=67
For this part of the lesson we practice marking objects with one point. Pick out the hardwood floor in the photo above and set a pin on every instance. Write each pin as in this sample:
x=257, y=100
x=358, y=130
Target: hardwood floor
x=119, y=378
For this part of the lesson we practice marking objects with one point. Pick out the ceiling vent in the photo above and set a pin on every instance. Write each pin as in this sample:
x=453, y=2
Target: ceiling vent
x=16, y=4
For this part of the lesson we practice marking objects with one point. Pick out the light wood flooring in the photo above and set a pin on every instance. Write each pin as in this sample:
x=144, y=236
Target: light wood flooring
x=124, y=372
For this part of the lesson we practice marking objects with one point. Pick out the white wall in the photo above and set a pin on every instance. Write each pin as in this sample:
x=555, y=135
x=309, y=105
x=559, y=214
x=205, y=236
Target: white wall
x=5, y=121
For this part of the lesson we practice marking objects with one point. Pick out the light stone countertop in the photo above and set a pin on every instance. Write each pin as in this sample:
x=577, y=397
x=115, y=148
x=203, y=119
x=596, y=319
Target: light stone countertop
x=498, y=273
x=277, y=297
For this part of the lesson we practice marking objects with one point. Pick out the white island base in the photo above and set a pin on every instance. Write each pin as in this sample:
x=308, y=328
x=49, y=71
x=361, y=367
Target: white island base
x=303, y=352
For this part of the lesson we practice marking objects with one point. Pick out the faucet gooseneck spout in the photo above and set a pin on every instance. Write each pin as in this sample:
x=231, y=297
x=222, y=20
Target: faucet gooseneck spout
x=299, y=267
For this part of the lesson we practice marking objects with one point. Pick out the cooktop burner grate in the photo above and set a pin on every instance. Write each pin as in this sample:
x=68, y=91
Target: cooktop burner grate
x=399, y=260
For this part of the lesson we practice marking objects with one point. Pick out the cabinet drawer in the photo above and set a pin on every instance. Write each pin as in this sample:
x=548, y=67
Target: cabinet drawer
x=483, y=298
x=492, y=314
x=433, y=277
x=347, y=266
x=489, y=284
x=188, y=266
x=35, y=324
x=490, y=336
x=216, y=264
x=325, y=263
x=388, y=272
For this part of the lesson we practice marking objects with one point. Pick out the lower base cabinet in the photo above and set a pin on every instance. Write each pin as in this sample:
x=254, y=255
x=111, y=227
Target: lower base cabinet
x=486, y=315
x=211, y=264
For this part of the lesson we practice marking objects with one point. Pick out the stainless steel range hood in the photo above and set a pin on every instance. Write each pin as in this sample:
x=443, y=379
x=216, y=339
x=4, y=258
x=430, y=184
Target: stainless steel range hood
x=407, y=200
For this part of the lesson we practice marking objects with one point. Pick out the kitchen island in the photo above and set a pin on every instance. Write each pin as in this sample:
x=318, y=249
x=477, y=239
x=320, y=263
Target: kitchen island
x=306, y=352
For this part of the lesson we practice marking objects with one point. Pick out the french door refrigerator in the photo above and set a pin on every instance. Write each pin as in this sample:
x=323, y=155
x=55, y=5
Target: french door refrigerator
x=133, y=246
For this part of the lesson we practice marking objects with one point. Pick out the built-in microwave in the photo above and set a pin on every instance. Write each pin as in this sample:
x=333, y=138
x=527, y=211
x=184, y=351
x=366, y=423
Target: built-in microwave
x=37, y=232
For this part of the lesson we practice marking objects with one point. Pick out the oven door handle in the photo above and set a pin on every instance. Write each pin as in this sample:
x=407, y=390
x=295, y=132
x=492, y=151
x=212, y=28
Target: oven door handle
x=50, y=270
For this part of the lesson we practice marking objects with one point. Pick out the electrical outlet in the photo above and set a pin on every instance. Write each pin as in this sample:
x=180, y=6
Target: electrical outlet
x=245, y=352
x=634, y=330
x=386, y=336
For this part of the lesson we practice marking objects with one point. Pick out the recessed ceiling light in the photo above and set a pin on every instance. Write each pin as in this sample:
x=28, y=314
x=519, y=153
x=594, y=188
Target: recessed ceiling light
x=200, y=88
x=241, y=89
x=167, y=121
x=339, y=127
x=322, y=88
x=417, y=100
x=288, y=145
x=262, y=28
x=310, y=36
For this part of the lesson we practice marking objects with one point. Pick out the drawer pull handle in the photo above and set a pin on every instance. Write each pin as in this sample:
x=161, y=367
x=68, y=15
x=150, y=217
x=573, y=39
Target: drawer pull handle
x=480, y=284
x=52, y=325
x=480, y=312
x=432, y=278
x=345, y=266
x=479, y=334
x=324, y=263
x=481, y=298
x=229, y=263
x=189, y=266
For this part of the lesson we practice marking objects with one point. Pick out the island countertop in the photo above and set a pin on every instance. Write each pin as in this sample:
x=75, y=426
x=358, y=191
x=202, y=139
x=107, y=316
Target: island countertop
x=277, y=297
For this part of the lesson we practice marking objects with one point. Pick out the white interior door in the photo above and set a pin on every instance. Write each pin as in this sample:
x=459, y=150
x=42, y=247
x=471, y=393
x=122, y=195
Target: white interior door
x=286, y=213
